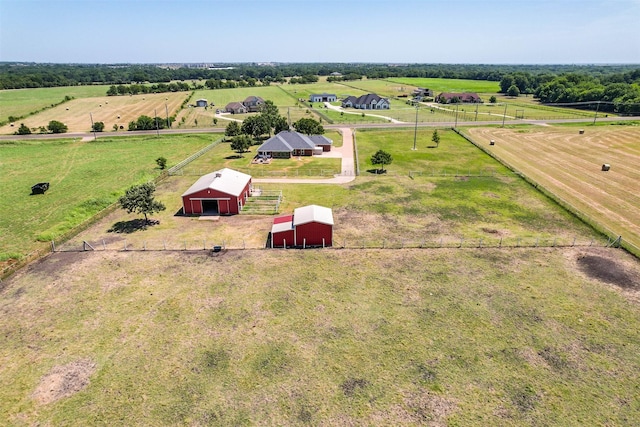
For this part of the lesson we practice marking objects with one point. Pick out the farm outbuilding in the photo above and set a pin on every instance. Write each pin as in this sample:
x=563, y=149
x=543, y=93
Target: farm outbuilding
x=309, y=226
x=223, y=192
x=202, y=103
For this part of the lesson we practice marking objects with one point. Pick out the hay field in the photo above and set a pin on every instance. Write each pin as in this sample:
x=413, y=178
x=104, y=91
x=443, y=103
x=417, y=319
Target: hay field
x=568, y=164
x=75, y=113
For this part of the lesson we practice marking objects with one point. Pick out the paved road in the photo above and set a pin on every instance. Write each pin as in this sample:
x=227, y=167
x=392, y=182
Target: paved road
x=448, y=124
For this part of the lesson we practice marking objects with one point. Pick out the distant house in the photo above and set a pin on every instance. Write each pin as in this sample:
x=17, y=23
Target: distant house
x=223, y=192
x=370, y=101
x=308, y=226
x=448, y=97
x=421, y=93
x=253, y=103
x=287, y=144
x=202, y=103
x=235, y=108
x=323, y=97
x=336, y=74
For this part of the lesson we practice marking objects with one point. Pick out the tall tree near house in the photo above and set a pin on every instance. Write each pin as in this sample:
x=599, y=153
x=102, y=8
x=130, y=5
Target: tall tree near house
x=308, y=126
x=381, y=158
x=139, y=199
x=240, y=143
x=232, y=129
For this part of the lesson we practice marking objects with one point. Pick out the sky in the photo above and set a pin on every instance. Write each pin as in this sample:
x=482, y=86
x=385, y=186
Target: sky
x=375, y=31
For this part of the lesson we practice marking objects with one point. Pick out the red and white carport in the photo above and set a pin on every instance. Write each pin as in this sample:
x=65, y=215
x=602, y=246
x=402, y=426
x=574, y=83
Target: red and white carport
x=223, y=192
x=309, y=226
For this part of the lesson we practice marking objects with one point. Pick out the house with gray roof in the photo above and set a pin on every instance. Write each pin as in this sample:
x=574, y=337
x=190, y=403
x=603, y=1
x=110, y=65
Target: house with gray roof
x=370, y=101
x=287, y=144
x=253, y=103
x=235, y=108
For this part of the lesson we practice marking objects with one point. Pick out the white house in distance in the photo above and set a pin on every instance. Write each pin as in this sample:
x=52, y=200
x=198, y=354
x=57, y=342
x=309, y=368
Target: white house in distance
x=323, y=97
x=370, y=101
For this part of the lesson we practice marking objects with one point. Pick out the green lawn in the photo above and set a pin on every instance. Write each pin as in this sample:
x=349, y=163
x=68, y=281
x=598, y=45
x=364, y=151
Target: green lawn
x=449, y=85
x=22, y=102
x=84, y=178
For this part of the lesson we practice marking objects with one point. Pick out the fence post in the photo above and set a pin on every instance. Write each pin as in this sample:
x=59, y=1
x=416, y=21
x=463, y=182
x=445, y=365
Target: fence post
x=574, y=242
x=383, y=242
x=204, y=244
x=461, y=241
x=144, y=245
x=480, y=243
x=104, y=245
x=244, y=245
x=537, y=241
x=185, y=245
x=164, y=244
x=53, y=246
x=554, y=242
x=125, y=244
x=500, y=244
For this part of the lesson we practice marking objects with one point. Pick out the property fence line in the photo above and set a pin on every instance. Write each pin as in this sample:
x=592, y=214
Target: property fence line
x=262, y=173
x=569, y=207
x=174, y=169
x=211, y=243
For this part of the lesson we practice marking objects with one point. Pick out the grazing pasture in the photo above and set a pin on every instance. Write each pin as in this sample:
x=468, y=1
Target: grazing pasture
x=568, y=164
x=84, y=178
x=111, y=110
x=470, y=337
x=448, y=85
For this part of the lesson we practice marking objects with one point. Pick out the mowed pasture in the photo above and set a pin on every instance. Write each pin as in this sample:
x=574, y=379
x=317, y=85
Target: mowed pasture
x=449, y=85
x=84, y=178
x=21, y=102
x=111, y=110
x=471, y=337
x=568, y=164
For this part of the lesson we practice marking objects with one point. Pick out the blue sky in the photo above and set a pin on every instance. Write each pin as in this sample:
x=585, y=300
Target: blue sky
x=394, y=31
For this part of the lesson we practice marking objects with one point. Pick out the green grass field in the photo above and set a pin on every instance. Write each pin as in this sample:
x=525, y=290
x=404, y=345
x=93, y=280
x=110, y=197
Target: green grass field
x=84, y=178
x=413, y=337
x=21, y=102
x=449, y=85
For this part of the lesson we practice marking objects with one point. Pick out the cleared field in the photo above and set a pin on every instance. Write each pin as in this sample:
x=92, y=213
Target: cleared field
x=568, y=164
x=413, y=337
x=20, y=102
x=85, y=177
x=111, y=110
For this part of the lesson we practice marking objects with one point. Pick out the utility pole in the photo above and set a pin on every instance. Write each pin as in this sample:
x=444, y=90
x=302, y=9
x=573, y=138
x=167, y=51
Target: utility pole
x=415, y=131
x=477, y=112
x=155, y=112
x=456, y=125
x=504, y=115
x=93, y=127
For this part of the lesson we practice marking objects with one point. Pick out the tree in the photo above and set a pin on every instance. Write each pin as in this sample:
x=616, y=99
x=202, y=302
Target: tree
x=255, y=126
x=308, y=126
x=23, y=130
x=162, y=163
x=233, y=129
x=57, y=127
x=281, y=125
x=97, y=127
x=139, y=199
x=513, y=91
x=240, y=143
x=381, y=158
x=436, y=137
x=493, y=99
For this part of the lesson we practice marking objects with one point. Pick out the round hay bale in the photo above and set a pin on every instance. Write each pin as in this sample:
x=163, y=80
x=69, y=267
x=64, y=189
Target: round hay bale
x=606, y=167
x=581, y=131
x=492, y=142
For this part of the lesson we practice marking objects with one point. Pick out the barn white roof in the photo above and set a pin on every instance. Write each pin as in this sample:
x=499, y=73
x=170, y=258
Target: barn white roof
x=225, y=180
x=312, y=213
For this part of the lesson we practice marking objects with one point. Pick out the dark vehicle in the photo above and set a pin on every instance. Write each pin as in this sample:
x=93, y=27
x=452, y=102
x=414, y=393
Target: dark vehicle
x=40, y=188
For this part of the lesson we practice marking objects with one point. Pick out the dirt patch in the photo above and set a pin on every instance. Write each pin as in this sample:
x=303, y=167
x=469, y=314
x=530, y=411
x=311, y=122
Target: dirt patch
x=64, y=381
x=608, y=270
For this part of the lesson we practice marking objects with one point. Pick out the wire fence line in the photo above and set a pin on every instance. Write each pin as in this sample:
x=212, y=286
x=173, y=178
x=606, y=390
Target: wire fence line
x=596, y=224
x=178, y=167
x=213, y=244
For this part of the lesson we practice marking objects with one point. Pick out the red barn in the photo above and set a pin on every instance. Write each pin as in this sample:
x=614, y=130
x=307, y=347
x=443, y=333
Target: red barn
x=308, y=226
x=223, y=192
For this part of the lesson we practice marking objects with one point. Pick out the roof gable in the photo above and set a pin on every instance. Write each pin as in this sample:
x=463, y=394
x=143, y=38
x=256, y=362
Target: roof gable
x=225, y=180
x=312, y=213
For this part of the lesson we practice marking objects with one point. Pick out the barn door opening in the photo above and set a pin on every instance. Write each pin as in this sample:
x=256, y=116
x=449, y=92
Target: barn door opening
x=210, y=207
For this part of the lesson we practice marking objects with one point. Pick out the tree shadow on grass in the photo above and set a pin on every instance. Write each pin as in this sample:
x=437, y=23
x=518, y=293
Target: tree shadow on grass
x=377, y=171
x=131, y=226
x=235, y=156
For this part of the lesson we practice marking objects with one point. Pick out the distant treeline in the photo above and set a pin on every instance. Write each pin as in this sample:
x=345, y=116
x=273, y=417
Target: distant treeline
x=30, y=75
x=619, y=92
